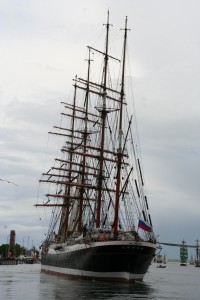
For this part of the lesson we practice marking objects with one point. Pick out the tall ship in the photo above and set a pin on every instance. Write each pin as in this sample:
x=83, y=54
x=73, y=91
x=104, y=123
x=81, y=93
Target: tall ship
x=100, y=226
x=197, y=258
x=183, y=254
x=191, y=260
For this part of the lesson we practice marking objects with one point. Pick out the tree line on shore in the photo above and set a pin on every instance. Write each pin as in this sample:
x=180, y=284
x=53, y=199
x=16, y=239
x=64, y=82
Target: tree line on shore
x=7, y=250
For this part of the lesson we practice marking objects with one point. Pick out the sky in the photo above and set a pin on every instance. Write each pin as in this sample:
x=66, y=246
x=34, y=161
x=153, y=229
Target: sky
x=43, y=46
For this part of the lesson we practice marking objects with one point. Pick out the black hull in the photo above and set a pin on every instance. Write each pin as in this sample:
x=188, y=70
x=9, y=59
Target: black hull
x=114, y=261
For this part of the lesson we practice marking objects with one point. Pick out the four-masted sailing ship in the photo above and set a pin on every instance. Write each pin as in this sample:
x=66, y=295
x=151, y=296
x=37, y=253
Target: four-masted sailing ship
x=100, y=225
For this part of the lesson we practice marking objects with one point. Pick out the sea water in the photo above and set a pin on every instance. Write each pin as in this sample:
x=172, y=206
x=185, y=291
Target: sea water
x=25, y=281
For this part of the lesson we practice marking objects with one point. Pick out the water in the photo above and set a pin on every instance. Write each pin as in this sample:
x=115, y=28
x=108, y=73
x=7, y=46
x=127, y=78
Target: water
x=26, y=282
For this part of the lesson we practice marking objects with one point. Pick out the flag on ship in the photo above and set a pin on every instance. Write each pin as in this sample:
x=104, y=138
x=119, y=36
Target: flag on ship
x=144, y=225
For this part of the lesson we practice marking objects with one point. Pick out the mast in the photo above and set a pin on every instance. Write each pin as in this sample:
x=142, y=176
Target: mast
x=85, y=134
x=87, y=186
x=66, y=203
x=197, y=252
x=120, y=133
x=103, y=117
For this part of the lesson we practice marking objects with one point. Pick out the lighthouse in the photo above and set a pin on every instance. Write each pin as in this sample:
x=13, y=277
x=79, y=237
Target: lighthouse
x=12, y=238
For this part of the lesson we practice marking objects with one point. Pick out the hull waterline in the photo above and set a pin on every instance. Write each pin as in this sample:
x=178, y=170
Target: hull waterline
x=108, y=261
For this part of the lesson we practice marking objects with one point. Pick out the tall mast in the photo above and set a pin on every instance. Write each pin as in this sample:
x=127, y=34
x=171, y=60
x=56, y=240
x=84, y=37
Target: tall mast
x=85, y=134
x=119, y=150
x=197, y=251
x=103, y=117
x=66, y=202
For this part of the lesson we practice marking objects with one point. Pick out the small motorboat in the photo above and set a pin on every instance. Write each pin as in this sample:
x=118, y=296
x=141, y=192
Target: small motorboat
x=161, y=266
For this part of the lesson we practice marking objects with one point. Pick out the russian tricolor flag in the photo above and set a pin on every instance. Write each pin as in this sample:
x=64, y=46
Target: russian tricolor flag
x=144, y=225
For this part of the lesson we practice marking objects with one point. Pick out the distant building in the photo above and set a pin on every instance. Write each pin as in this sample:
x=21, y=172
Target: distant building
x=12, y=238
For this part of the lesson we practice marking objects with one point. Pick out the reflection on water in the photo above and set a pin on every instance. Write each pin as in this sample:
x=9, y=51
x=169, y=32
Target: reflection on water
x=20, y=282
x=16, y=282
x=62, y=288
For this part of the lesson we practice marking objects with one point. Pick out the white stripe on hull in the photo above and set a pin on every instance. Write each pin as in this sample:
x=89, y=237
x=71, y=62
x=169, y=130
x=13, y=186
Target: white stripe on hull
x=68, y=248
x=118, y=276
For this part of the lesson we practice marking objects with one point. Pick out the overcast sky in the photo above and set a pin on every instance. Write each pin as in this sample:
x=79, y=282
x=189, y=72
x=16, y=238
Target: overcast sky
x=43, y=46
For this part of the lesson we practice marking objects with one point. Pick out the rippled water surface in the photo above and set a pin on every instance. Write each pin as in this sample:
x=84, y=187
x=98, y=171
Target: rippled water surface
x=26, y=282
